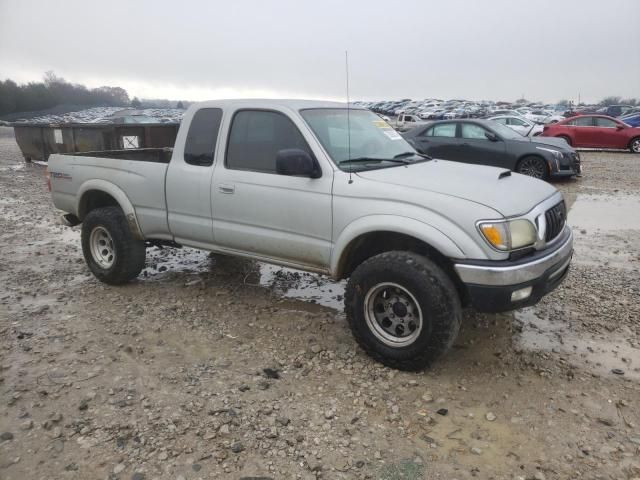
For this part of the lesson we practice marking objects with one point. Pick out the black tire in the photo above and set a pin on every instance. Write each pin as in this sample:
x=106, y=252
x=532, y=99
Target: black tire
x=430, y=287
x=533, y=166
x=565, y=138
x=634, y=145
x=127, y=253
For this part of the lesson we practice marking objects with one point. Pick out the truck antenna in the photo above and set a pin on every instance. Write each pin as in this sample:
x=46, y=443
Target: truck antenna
x=346, y=64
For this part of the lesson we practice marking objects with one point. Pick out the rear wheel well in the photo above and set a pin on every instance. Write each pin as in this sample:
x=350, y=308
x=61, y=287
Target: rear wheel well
x=374, y=243
x=93, y=199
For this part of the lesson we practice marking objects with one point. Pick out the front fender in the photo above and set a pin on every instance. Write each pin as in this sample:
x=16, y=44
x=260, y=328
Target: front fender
x=118, y=194
x=397, y=224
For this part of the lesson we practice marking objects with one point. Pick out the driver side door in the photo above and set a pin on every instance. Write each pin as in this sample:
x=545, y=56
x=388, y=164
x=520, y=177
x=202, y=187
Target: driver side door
x=263, y=213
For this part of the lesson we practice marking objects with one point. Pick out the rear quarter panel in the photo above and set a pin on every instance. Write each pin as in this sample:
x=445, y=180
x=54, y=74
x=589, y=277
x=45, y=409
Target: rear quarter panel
x=139, y=183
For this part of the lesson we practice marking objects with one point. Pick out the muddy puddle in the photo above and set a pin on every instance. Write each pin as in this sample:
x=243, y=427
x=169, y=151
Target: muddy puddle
x=599, y=355
x=163, y=264
x=605, y=213
x=601, y=226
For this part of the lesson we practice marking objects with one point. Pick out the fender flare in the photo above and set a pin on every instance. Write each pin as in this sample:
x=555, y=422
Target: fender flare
x=392, y=223
x=118, y=194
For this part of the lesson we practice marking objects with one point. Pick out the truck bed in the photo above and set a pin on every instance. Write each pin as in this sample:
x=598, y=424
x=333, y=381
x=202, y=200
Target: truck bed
x=137, y=175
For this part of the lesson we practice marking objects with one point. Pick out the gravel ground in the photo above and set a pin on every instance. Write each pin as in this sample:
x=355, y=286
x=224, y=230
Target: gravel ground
x=209, y=367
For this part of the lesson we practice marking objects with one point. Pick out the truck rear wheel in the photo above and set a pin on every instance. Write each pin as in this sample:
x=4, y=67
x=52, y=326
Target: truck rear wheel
x=403, y=309
x=113, y=255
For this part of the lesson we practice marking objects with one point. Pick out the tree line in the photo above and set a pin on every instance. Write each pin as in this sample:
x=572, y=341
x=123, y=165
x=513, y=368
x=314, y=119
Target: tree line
x=53, y=91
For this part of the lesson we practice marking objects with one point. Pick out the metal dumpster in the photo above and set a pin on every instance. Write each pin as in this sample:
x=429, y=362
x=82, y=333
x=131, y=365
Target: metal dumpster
x=38, y=141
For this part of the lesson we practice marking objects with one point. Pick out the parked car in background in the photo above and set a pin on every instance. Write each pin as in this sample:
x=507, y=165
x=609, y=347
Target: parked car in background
x=632, y=120
x=500, y=111
x=537, y=116
x=615, y=110
x=521, y=125
x=554, y=118
x=407, y=122
x=485, y=142
x=596, y=131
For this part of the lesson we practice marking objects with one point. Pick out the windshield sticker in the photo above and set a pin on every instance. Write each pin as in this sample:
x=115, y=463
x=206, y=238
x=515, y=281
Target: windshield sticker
x=392, y=134
x=381, y=124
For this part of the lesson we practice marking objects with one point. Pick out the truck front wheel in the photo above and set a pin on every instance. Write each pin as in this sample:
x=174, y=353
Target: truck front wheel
x=110, y=250
x=403, y=309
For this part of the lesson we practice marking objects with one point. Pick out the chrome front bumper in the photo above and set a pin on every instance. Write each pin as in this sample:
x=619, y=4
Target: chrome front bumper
x=503, y=274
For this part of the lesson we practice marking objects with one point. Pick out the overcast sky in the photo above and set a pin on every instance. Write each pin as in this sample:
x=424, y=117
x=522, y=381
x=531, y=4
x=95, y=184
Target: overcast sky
x=195, y=50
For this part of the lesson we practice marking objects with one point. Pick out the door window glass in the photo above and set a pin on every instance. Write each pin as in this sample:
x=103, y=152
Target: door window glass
x=517, y=122
x=605, y=122
x=257, y=136
x=581, y=122
x=473, y=132
x=442, y=130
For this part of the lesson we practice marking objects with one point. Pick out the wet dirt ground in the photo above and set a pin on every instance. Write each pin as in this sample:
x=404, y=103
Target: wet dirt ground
x=212, y=367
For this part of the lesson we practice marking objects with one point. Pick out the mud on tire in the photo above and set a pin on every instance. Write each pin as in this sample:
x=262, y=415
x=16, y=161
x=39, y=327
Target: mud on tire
x=423, y=283
x=113, y=255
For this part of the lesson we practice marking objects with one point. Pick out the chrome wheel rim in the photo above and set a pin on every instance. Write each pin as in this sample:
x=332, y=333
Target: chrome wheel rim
x=635, y=146
x=102, y=249
x=532, y=167
x=393, y=314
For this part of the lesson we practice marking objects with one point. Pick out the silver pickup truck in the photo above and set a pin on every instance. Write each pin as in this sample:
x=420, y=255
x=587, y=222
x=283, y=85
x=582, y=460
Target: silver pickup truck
x=322, y=188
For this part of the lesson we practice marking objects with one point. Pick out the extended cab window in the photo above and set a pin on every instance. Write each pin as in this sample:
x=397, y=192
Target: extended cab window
x=201, y=139
x=257, y=136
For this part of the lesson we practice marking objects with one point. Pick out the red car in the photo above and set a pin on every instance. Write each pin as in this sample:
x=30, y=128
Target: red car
x=595, y=131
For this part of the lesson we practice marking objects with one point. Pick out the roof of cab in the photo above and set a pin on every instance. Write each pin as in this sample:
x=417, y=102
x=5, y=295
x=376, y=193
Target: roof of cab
x=273, y=103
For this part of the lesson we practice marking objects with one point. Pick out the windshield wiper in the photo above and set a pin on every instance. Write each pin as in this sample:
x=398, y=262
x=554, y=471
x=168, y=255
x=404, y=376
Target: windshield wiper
x=410, y=154
x=374, y=159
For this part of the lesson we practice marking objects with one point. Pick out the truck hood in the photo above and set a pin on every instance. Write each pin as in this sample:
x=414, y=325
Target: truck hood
x=510, y=195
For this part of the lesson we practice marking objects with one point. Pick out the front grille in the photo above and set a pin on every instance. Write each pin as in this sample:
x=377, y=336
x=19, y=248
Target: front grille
x=556, y=217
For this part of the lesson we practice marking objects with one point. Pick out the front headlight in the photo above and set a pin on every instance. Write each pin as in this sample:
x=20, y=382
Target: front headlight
x=509, y=235
x=556, y=154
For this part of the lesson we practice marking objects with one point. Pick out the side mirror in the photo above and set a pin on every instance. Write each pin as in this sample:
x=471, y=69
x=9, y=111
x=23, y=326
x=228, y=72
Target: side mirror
x=619, y=127
x=491, y=136
x=296, y=162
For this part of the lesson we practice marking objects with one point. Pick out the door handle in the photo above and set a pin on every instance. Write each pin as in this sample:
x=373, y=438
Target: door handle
x=224, y=188
x=464, y=144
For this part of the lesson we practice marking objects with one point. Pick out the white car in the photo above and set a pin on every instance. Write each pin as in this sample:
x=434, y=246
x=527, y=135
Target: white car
x=524, y=127
x=537, y=116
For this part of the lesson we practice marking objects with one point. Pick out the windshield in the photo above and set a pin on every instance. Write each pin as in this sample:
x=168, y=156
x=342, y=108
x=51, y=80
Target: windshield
x=370, y=137
x=506, y=132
